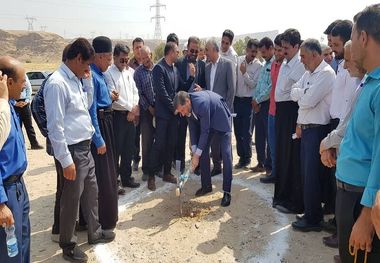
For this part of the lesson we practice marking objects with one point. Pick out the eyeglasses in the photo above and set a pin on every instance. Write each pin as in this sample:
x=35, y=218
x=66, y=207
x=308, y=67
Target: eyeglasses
x=124, y=60
x=193, y=51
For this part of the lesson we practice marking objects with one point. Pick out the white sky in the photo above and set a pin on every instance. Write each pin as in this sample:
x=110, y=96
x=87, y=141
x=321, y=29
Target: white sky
x=131, y=18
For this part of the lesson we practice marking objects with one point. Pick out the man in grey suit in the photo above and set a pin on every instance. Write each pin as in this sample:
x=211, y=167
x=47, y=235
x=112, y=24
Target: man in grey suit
x=220, y=78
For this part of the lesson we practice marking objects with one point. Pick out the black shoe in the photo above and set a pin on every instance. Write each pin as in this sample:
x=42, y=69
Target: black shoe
x=268, y=180
x=241, y=165
x=226, y=200
x=303, y=226
x=105, y=237
x=257, y=169
x=131, y=183
x=331, y=241
x=203, y=191
x=135, y=166
x=120, y=190
x=283, y=209
x=74, y=255
x=36, y=147
x=216, y=171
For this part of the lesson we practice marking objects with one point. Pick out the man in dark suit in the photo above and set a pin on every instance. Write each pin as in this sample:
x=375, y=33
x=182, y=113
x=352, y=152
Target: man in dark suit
x=165, y=82
x=191, y=72
x=209, y=118
x=221, y=79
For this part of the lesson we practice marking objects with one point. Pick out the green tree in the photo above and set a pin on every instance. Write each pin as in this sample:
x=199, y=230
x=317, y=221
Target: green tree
x=158, y=51
x=240, y=45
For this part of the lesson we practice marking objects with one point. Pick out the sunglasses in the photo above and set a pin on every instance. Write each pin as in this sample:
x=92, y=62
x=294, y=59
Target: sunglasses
x=124, y=60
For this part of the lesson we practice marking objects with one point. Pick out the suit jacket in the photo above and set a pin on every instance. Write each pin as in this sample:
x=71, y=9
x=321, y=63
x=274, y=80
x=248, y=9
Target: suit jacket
x=225, y=80
x=165, y=82
x=209, y=112
x=186, y=82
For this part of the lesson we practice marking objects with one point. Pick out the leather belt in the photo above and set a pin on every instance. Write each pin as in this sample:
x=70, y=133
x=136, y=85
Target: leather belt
x=12, y=179
x=105, y=110
x=123, y=112
x=82, y=143
x=349, y=187
x=309, y=126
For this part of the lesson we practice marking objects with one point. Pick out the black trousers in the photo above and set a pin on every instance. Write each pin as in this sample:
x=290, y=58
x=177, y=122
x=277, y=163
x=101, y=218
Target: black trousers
x=58, y=194
x=261, y=136
x=124, y=141
x=313, y=172
x=288, y=190
x=106, y=174
x=26, y=119
x=163, y=146
x=147, y=137
x=242, y=123
x=181, y=140
x=347, y=211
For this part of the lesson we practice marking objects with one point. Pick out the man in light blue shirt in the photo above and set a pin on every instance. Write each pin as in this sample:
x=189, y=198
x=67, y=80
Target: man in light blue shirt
x=70, y=131
x=22, y=107
x=358, y=164
x=260, y=103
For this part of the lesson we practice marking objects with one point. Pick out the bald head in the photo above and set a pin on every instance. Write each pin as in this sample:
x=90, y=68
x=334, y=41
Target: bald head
x=146, y=57
x=145, y=50
x=16, y=75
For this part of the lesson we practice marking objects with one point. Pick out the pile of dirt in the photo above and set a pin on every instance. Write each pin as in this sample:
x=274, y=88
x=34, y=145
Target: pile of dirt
x=32, y=47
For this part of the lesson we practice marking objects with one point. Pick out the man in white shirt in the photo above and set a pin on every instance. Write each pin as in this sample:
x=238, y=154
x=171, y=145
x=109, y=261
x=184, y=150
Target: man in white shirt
x=288, y=196
x=247, y=78
x=313, y=94
x=5, y=114
x=226, y=49
x=126, y=111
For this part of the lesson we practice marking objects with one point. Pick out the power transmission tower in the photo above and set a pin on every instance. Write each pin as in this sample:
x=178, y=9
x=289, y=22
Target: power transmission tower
x=30, y=21
x=43, y=28
x=157, y=17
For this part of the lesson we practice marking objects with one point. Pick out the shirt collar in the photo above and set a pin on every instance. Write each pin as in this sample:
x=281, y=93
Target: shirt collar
x=68, y=71
x=96, y=69
x=374, y=74
x=293, y=61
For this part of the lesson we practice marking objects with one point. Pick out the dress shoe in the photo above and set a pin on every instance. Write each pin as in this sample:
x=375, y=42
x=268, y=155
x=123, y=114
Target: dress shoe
x=203, y=191
x=152, y=183
x=331, y=241
x=145, y=177
x=268, y=180
x=36, y=147
x=104, y=237
x=242, y=164
x=337, y=259
x=303, y=226
x=131, y=183
x=216, y=171
x=74, y=255
x=169, y=178
x=135, y=166
x=120, y=190
x=283, y=209
x=258, y=169
x=226, y=200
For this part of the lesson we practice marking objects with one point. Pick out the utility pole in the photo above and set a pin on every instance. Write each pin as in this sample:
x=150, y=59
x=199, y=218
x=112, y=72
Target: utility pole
x=30, y=21
x=157, y=17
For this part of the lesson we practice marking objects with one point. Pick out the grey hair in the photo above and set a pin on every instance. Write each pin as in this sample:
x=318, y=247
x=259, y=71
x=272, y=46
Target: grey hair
x=324, y=46
x=312, y=45
x=180, y=99
x=213, y=43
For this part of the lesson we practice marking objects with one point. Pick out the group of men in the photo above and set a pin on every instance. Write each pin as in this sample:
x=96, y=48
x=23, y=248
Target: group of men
x=315, y=118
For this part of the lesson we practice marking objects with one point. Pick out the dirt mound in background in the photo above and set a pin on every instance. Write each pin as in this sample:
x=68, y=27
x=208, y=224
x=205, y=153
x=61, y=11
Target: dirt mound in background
x=32, y=46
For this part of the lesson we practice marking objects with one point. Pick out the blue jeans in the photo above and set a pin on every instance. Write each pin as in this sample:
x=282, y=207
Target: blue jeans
x=272, y=141
x=18, y=203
